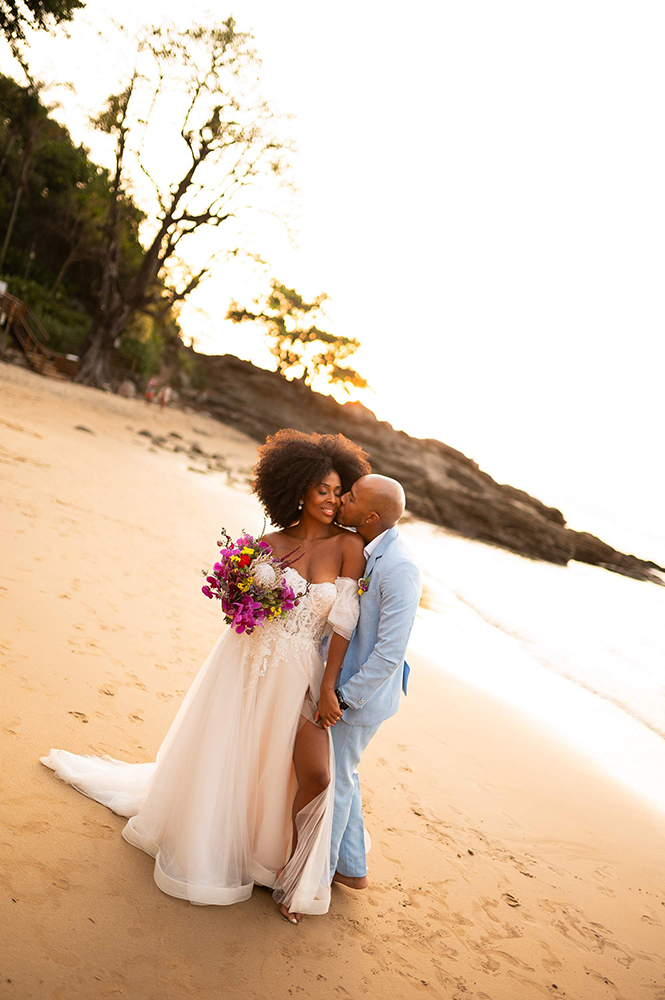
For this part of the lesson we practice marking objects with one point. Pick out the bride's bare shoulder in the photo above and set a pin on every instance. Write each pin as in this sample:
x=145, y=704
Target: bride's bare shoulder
x=274, y=537
x=350, y=541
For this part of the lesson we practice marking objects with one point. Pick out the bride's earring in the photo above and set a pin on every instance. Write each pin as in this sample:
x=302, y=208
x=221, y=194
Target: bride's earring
x=300, y=505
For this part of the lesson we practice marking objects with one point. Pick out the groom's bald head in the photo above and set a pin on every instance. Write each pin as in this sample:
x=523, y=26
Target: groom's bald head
x=373, y=504
x=384, y=495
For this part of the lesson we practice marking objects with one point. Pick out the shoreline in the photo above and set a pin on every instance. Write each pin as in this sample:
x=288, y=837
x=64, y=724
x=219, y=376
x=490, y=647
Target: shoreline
x=504, y=866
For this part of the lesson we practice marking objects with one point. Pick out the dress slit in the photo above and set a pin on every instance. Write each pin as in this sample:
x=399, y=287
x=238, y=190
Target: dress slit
x=214, y=809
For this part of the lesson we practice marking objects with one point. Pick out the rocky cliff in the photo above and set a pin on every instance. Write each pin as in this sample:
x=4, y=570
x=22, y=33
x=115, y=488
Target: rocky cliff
x=442, y=485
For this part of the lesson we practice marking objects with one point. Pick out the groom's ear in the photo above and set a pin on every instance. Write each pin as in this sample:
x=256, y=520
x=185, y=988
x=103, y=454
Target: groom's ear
x=372, y=517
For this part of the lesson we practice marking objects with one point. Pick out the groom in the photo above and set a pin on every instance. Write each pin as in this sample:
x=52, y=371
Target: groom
x=374, y=672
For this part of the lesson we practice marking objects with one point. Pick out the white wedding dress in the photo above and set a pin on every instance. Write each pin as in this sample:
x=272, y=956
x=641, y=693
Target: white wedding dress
x=214, y=808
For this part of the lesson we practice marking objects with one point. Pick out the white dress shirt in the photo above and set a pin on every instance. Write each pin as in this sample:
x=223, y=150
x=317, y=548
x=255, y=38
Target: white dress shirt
x=369, y=548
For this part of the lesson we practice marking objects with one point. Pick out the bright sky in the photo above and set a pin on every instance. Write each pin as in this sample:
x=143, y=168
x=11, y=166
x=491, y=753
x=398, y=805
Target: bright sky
x=483, y=199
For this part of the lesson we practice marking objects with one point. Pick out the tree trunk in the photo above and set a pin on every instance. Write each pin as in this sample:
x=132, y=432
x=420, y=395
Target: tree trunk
x=95, y=366
x=8, y=149
x=68, y=260
x=26, y=163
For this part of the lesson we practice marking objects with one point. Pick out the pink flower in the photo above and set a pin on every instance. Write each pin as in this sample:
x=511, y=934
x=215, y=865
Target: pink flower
x=248, y=591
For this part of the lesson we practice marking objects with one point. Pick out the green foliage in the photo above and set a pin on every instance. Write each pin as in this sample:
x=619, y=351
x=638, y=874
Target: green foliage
x=66, y=327
x=58, y=235
x=54, y=257
x=17, y=15
x=192, y=368
x=66, y=324
x=298, y=345
x=144, y=342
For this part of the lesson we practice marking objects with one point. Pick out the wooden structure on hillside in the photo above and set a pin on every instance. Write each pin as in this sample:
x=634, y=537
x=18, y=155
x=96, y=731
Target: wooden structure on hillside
x=17, y=319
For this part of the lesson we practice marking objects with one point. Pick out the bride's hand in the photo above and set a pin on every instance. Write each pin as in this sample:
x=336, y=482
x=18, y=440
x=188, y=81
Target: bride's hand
x=328, y=710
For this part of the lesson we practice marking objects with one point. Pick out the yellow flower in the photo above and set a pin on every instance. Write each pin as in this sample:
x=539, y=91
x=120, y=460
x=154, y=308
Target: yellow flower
x=247, y=551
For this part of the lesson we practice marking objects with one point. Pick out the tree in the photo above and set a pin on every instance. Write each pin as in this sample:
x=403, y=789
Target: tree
x=53, y=209
x=17, y=15
x=80, y=224
x=223, y=146
x=298, y=344
x=30, y=117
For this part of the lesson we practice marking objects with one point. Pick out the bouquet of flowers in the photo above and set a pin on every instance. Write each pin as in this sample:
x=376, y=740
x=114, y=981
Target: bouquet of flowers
x=249, y=581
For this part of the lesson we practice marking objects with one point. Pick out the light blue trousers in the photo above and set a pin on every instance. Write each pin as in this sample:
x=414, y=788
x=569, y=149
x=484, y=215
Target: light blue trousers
x=347, y=851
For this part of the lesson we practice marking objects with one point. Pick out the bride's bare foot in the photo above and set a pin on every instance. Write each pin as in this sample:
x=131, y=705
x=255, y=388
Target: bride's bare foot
x=293, y=918
x=361, y=882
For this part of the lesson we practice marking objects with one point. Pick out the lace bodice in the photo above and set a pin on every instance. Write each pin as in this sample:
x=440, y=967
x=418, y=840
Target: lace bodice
x=326, y=607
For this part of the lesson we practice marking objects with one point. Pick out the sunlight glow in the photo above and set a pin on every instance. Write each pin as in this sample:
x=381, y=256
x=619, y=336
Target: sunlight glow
x=481, y=197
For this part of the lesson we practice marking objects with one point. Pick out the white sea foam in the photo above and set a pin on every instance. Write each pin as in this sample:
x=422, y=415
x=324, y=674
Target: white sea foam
x=579, y=648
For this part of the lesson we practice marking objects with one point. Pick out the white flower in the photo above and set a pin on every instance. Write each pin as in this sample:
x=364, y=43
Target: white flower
x=265, y=576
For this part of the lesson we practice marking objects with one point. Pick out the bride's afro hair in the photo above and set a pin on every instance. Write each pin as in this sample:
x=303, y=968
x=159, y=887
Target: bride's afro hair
x=291, y=461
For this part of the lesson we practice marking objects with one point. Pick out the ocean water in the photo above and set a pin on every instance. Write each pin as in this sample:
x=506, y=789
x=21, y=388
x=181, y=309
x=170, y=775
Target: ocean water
x=578, y=648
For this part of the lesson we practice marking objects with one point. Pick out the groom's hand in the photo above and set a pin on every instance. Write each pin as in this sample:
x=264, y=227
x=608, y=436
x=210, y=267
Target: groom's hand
x=328, y=710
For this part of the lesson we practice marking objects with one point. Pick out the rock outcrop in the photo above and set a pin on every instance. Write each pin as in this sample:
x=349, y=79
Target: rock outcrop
x=442, y=485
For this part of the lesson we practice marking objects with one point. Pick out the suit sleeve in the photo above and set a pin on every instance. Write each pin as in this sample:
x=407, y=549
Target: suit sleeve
x=400, y=594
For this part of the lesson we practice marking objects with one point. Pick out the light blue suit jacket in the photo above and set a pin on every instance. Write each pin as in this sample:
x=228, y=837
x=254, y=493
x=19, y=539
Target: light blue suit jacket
x=374, y=671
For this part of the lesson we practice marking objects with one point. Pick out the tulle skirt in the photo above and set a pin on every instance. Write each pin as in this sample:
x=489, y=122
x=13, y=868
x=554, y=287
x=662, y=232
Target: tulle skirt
x=215, y=808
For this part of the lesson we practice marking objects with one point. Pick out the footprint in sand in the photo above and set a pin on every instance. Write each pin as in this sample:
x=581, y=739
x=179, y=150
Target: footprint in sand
x=8, y=457
x=20, y=429
x=93, y=830
x=34, y=826
x=488, y=905
x=510, y=899
x=79, y=715
x=133, y=717
x=386, y=848
x=133, y=681
x=551, y=963
x=11, y=727
x=599, y=977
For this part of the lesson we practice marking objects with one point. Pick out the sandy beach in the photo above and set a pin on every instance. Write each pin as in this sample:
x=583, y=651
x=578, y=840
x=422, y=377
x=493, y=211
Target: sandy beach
x=504, y=865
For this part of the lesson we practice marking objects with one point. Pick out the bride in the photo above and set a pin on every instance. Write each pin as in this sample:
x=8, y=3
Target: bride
x=241, y=791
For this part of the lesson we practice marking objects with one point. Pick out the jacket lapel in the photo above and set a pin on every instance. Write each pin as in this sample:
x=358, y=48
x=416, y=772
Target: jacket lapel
x=381, y=548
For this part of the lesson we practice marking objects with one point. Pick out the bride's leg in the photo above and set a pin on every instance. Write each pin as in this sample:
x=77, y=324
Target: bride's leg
x=310, y=760
x=311, y=763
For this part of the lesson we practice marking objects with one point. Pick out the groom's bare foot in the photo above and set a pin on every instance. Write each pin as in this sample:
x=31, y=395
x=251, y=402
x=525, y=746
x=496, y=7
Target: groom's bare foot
x=361, y=882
